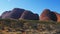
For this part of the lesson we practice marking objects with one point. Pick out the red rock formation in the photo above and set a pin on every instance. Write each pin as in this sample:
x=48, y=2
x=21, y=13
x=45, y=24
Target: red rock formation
x=28, y=15
x=44, y=15
x=17, y=13
x=36, y=17
x=48, y=15
x=5, y=14
x=58, y=17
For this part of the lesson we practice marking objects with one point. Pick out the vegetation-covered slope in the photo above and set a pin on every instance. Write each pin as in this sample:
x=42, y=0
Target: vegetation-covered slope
x=10, y=26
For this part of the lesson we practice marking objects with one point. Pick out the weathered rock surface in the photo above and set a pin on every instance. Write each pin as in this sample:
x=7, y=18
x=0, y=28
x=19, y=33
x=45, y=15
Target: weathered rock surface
x=5, y=14
x=53, y=16
x=29, y=15
x=48, y=15
x=58, y=17
x=17, y=13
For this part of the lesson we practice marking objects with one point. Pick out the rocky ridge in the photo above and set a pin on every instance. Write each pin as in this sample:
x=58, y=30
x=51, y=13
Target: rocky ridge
x=18, y=13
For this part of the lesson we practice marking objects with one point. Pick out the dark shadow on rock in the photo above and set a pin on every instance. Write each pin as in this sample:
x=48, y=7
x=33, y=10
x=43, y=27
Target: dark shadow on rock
x=28, y=15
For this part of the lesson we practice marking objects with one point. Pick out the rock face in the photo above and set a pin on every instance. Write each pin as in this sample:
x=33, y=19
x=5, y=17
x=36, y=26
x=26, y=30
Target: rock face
x=29, y=15
x=44, y=15
x=58, y=17
x=17, y=13
x=48, y=15
x=53, y=16
x=5, y=14
x=36, y=16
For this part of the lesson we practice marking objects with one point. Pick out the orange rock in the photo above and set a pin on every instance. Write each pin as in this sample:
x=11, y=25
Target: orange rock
x=58, y=17
x=48, y=15
x=44, y=16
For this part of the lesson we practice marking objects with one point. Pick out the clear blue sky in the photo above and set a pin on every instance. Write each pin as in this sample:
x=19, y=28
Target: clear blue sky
x=36, y=6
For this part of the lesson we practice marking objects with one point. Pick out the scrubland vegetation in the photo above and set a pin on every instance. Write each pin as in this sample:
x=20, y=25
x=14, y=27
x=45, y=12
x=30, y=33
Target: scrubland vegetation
x=12, y=26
